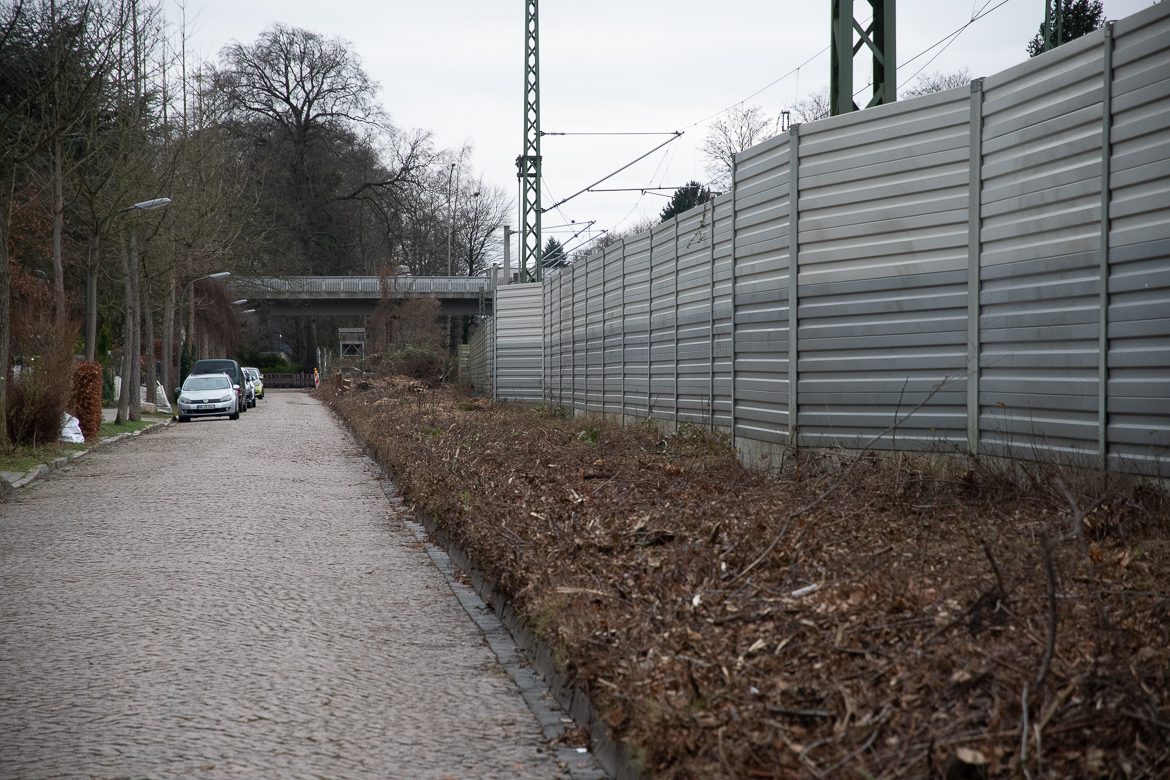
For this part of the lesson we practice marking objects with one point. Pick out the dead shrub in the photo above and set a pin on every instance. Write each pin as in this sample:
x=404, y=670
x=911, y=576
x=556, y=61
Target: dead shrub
x=42, y=349
x=86, y=401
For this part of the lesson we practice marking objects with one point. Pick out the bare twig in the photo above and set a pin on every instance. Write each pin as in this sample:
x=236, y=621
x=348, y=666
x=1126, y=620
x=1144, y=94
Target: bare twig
x=1050, y=644
x=994, y=570
x=1024, y=732
x=1077, y=512
x=845, y=473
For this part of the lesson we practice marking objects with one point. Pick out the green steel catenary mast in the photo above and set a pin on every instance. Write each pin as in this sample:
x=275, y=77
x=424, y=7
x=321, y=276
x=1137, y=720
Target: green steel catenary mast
x=879, y=38
x=528, y=163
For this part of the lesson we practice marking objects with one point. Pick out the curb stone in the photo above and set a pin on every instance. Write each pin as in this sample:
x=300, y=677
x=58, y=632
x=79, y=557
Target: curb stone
x=10, y=481
x=491, y=611
x=506, y=633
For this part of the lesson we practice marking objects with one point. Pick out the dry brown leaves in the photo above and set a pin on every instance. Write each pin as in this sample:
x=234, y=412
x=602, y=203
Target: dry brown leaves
x=901, y=628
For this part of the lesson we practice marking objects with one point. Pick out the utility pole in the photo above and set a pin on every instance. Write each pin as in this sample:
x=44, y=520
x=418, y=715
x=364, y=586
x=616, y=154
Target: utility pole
x=507, y=254
x=879, y=38
x=450, y=216
x=528, y=163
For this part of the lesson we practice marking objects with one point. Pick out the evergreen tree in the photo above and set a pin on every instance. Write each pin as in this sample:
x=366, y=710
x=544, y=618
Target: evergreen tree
x=1081, y=17
x=685, y=198
x=554, y=255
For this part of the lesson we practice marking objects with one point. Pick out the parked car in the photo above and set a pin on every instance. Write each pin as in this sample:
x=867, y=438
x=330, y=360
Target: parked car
x=234, y=372
x=258, y=379
x=207, y=395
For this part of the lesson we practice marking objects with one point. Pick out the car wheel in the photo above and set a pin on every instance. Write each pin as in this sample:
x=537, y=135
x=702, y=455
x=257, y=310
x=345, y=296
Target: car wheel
x=184, y=418
x=234, y=416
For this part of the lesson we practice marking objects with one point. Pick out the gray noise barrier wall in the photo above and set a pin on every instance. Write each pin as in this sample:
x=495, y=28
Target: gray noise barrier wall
x=984, y=270
x=507, y=353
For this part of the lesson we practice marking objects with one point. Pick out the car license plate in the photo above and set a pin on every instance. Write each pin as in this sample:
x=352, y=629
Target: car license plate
x=205, y=406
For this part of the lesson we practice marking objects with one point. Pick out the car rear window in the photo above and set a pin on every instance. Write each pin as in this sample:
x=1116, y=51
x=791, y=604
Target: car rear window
x=207, y=383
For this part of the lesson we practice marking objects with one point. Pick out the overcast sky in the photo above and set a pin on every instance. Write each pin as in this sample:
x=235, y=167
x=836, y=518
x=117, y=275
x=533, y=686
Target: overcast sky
x=455, y=67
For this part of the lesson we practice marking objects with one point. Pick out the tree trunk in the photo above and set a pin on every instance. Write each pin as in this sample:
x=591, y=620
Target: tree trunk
x=4, y=327
x=127, y=334
x=58, y=229
x=148, y=337
x=91, y=286
x=169, y=370
x=136, y=330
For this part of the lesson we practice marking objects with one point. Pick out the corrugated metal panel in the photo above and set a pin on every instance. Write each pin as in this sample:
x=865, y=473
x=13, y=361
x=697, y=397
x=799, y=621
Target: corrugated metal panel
x=761, y=257
x=1139, y=280
x=1039, y=265
x=721, y=311
x=637, y=324
x=518, y=331
x=553, y=320
x=663, y=321
x=565, y=333
x=593, y=376
x=882, y=307
x=693, y=310
x=479, y=350
x=614, y=356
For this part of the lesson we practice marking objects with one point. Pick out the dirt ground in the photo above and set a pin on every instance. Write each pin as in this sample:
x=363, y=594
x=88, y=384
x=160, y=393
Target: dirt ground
x=853, y=615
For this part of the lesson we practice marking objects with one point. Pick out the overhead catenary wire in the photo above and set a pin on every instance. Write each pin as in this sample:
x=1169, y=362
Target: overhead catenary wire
x=947, y=39
x=668, y=132
x=953, y=37
x=677, y=134
x=978, y=12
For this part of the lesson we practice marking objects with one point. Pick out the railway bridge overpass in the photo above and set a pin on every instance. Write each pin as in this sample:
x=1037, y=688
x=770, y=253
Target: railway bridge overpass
x=345, y=295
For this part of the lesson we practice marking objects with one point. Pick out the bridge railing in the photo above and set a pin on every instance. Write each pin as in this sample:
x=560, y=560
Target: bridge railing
x=364, y=286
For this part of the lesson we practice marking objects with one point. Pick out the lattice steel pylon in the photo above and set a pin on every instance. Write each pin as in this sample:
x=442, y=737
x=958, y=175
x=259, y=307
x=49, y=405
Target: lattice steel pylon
x=528, y=163
x=879, y=38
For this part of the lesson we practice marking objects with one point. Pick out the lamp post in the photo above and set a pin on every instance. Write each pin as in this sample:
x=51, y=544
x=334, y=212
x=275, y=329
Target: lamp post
x=179, y=308
x=129, y=400
x=450, y=217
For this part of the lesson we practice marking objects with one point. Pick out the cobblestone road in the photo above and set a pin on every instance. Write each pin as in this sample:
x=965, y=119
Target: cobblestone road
x=238, y=598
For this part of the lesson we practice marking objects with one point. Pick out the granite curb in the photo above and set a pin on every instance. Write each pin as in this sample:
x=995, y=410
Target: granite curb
x=11, y=481
x=614, y=757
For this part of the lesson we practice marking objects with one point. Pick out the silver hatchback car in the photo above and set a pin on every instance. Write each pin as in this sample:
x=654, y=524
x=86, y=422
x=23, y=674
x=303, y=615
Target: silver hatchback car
x=207, y=395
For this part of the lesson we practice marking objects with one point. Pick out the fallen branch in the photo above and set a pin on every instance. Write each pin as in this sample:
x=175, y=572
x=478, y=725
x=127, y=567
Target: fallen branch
x=1050, y=645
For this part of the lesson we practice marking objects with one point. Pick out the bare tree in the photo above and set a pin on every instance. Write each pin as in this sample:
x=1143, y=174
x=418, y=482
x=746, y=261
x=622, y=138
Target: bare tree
x=743, y=127
x=482, y=212
x=929, y=83
x=813, y=106
x=304, y=97
x=300, y=80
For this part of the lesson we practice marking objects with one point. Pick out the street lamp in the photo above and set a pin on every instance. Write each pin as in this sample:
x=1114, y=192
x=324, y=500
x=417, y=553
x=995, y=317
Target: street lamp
x=129, y=402
x=179, y=308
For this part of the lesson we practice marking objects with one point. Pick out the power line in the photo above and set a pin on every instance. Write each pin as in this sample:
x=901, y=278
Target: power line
x=948, y=39
x=954, y=37
x=767, y=86
x=669, y=132
x=676, y=135
x=639, y=189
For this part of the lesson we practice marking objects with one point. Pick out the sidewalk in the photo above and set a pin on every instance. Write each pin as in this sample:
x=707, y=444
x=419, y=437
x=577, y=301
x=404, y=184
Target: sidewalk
x=11, y=480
